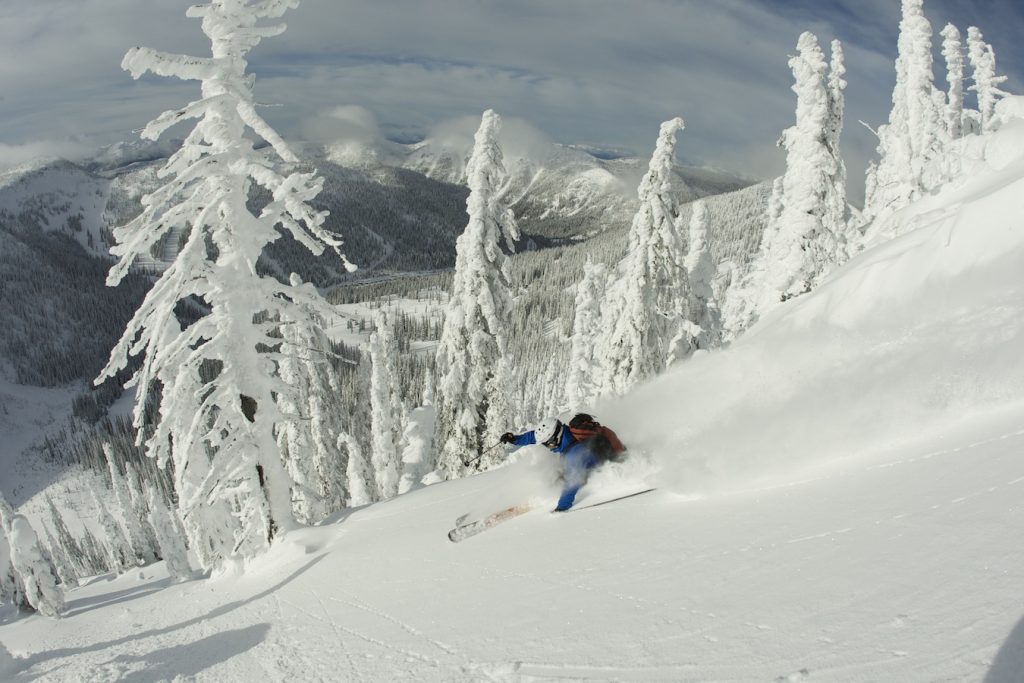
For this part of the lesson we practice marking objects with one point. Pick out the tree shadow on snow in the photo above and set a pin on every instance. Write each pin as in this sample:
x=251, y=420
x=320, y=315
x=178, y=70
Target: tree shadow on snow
x=1008, y=666
x=187, y=660
x=82, y=605
x=43, y=657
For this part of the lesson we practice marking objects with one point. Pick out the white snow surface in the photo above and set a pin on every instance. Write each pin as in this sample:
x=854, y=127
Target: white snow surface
x=839, y=499
x=898, y=568
x=27, y=416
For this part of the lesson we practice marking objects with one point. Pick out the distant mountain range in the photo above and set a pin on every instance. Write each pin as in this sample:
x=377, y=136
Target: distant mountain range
x=556, y=191
x=385, y=199
x=398, y=207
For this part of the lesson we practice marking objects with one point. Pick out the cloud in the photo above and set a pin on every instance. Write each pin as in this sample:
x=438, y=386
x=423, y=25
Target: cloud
x=594, y=72
x=519, y=138
x=343, y=123
x=15, y=155
x=598, y=72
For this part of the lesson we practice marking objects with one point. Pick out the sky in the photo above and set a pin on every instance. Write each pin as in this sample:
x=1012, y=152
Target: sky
x=602, y=73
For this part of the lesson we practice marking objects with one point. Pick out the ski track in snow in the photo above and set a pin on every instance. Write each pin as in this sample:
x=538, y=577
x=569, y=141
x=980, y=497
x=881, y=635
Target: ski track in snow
x=374, y=641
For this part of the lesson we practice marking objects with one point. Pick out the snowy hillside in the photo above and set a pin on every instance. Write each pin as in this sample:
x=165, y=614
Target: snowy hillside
x=400, y=207
x=556, y=190
x=838, y=499
x=56, y=197
x=899, y=568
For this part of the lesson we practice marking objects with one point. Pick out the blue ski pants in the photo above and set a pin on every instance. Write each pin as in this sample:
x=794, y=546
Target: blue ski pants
x=577, y=463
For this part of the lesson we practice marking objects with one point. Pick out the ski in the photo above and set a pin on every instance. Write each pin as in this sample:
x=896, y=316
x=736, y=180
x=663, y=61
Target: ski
x=611, y=500
x=463, y=531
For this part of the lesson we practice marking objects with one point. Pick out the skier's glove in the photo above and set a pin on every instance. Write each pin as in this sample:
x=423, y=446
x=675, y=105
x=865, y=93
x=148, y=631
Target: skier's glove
x=508, y=437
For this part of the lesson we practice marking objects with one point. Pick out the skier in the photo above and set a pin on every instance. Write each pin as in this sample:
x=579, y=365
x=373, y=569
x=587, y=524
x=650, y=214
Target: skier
x=583, y=444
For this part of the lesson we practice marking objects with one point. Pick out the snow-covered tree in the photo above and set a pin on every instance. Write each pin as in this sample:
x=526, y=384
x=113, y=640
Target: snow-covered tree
x=216, y=381
x=418, y=439
x=66, y=541
x=168, y=535
x=472, y=400
x=308, y=439
x=95, y=557
x=834, y=218
x=986, y=82
x=61, y=562
x=704, y=310
x=359, y=475
x=803, y=249
x=138, y=489
x=11, y=589
x=910, y=146
x=41, y=589
x=139, y=534
x=119, y=549
x=385, y=408
x=553, y=399
x=775, y=206
x=584, y=365
x=647, y=303
x=953, y=52
x=807, y=214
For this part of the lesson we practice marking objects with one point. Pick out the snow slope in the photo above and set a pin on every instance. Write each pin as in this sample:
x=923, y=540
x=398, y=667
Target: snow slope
x=840, y=499
x=901, y=568
x=27, y=416
x=57, y=196
x=915, y=333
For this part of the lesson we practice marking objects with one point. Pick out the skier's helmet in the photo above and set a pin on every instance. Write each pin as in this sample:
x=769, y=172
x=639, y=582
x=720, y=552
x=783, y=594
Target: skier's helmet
x=547, y=431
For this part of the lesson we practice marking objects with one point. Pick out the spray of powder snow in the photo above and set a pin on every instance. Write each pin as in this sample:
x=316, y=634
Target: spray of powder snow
x=635, y=472
x=530, y=477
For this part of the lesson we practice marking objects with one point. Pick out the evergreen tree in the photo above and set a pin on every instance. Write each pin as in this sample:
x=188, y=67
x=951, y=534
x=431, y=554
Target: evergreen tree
x=584, y=365
x=168, y=535
x=216, y=381
x=96, y=557
x=11, y=588
x=910, y=146
x=119, y=550
x=803, y=249
x=139, y=498
x=834, y=218
x=553, y=401
x=308, y=438
x=649, y=298
x=61, y=564
x=807, y=215
x=418, y=438
x=775, y=206
x=66, y=541
x=139, y=534
x=704, y=312
x=359, y=475
x=385, y=407
x=953, y=52
x=986, y=82
x=472, y=403
x=26, y=558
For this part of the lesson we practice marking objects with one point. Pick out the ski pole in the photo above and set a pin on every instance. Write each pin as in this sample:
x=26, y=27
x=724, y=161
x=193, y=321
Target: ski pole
x=467, y=464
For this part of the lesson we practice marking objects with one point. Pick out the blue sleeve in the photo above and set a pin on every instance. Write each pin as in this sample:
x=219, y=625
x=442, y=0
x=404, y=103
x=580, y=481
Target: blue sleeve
x=566, y=443
x=525, y=439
